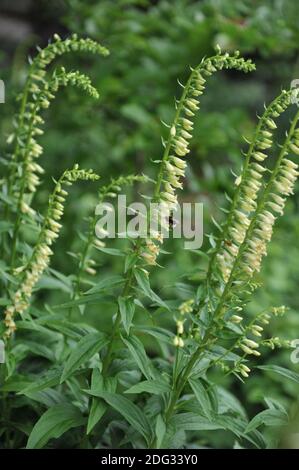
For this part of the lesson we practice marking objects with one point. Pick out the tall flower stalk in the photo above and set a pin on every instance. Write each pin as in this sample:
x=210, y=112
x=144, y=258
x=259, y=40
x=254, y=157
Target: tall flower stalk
x=39, y=260
x=172, y=167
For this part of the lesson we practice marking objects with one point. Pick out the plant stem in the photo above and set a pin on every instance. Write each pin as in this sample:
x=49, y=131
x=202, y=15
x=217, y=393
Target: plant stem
x=22, y=191
x=182, y=379
x=108, y=356
x=14, y=159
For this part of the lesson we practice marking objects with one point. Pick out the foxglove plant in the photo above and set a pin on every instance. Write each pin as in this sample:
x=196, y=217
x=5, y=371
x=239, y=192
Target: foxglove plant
x=112, y=385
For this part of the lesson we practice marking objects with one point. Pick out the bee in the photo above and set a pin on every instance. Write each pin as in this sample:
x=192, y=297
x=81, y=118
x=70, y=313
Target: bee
x=172, y=222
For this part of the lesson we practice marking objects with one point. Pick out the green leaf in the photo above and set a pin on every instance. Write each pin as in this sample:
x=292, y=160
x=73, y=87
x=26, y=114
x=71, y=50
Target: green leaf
x=130, y=261
x=99, y=406
x=48, y=397
x=194, y=422
x=228, y=403
x=105, y=284
x=53, y=423
x=157, y=387
x=73, y=330
x=136, y=113
x=143, y=282
x=84, y=350
x=129, y=411
x=160, y=334
x=48, y=282
x=47, y=380
x=237, y=427
x=127, y=310
x=112, y=251
x=137, y=350
x=160, y=430
x=5, y=226
x=85, y=299
x=16, y=383
x=275, y=404
x=281, y=371
x=202, y=397
x=270, y=417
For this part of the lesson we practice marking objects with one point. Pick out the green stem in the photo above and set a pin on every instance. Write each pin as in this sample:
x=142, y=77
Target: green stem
x=182, y=379
x=22, y=191
x=116, y=325
x=20, y=125
x=12, y=170
x=77, y=282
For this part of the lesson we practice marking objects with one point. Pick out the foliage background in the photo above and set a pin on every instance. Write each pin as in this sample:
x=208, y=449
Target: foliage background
x=152, y=43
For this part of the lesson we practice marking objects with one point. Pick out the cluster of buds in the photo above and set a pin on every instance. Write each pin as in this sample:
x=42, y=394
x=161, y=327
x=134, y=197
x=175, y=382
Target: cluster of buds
x=279, y=311
x=181, y=131
x=276, y=342
x=255, y=329
x=241, y=368
x=178, y=342
x=109, y=191
x=186, y=307
x=59, y=47
x=249, y=346
x=150, y=252
x=40, y=257
x=90, y=267
x=249, y=185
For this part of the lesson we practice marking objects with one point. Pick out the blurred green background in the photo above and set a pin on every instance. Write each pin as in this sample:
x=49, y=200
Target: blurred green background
x=152, y=44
